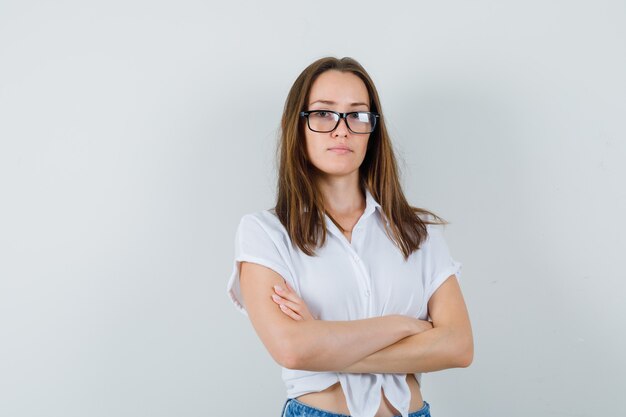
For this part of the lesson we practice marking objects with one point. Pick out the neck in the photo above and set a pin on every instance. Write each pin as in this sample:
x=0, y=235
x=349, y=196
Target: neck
x=342, y=197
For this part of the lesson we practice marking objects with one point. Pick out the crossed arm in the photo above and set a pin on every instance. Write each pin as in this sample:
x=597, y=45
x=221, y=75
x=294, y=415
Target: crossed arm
x=388, y=344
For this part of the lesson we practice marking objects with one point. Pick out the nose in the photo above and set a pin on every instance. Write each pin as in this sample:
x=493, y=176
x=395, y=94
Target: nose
x=341, y=129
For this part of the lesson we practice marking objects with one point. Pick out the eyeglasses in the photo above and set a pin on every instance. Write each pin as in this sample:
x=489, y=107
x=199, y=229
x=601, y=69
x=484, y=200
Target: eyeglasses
x=324, y=121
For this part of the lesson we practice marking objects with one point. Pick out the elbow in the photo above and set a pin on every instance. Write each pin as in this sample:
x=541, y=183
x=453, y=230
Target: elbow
x=288, y=363
x=288, y=354
x=465, y=353
x=297, y=357
x=289, y=360
x=465, y=359
x=296, y=350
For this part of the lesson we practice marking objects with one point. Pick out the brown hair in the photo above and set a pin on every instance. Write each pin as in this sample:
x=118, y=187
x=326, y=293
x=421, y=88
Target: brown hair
x=300, y=205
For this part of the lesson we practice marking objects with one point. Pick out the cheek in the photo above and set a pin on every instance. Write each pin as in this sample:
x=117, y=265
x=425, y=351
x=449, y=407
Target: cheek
x=312, y=145
x=363, y=147
x=307, y=145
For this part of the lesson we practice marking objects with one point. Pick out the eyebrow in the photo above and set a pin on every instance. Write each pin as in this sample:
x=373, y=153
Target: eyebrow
x=332, y=102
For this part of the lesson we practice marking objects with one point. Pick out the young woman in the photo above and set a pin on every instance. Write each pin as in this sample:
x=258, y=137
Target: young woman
x=351, y=290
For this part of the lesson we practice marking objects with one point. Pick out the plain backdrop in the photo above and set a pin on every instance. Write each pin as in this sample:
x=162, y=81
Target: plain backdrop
x=135, y=134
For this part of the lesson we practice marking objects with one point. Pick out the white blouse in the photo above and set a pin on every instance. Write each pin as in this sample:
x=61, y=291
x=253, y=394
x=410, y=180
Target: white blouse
x=365, y=278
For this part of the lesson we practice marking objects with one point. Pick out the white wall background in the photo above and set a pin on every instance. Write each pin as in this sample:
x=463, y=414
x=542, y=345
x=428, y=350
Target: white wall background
x=135, y=134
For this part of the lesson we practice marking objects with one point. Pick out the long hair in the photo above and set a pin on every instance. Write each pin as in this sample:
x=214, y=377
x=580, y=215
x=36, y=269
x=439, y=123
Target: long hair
x=300, y=205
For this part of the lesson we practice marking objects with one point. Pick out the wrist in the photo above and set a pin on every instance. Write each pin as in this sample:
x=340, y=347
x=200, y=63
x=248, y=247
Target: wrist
x=410, y=325
x=418, y=326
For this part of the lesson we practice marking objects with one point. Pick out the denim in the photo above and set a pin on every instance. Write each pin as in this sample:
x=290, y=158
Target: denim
x=295, y=408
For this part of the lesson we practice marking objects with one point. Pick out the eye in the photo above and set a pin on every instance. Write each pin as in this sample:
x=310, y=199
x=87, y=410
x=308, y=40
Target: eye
x=322, y=114
x=361, y=116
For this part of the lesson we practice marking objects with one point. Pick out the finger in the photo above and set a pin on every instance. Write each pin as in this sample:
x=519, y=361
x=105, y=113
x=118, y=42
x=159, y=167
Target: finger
x=289, y=312
x=288, y=295
x=289, y=287
x=293, y=306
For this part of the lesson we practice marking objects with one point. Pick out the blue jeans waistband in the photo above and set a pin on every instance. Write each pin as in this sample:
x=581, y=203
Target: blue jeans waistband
x=293, y=407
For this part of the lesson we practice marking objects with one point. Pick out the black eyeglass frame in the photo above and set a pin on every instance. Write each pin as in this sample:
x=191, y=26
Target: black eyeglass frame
x=341, y=116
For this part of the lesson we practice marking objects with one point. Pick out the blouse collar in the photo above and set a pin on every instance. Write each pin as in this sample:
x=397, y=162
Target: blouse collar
x=370, y=207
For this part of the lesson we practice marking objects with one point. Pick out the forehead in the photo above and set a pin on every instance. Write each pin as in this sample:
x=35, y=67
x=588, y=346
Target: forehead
x=340, y=87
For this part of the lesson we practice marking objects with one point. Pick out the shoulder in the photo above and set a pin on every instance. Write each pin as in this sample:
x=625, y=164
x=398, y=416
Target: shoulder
x=433, y=231
x=435, y=247
x=265, y=219
x=265, y=223
x=426, y=217
x=435, y=235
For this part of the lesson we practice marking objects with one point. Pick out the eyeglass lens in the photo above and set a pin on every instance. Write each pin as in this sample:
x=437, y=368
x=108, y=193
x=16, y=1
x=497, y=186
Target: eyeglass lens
x=325, y=121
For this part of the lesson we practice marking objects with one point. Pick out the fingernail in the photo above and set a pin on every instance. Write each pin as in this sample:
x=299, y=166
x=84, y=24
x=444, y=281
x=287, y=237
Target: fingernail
x=275, y=297
x=278, y=288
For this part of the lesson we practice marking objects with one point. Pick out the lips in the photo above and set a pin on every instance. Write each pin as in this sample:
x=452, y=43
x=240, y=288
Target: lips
x=340, y=150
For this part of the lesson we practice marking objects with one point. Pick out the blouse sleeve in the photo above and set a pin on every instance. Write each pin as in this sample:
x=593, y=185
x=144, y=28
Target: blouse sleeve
x=253, y=243
x=439, y=264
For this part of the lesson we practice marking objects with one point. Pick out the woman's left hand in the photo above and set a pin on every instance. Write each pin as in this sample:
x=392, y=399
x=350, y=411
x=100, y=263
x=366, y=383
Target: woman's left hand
x=290, y=303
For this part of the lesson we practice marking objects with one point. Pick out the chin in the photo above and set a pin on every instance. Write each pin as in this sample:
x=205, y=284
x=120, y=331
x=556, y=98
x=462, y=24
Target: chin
x=333, y=167
x=337, y=171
